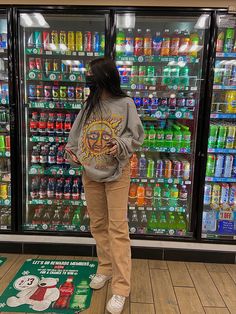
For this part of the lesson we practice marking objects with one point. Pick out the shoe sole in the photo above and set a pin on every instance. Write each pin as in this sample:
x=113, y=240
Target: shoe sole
x=97, y=287
x=112, y=311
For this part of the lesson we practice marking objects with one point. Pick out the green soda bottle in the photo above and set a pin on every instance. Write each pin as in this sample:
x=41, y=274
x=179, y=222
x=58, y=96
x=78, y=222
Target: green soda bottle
x=172, y=224
x=152, y=136
x=221, y=136
x=157, y=196
x=229, y=40
x=76, y=220
x=177, y=136
x=168, y=134
x=210, y=167
x=146, y=141
x=162, y=223
x=181, y=224
x=165, y=198
x=160, y=138
x=174, y=196
x=120, y=43
x=166, y=79
x=212, y=135
x=184, y=77
x=152, y=223
x=186, y=141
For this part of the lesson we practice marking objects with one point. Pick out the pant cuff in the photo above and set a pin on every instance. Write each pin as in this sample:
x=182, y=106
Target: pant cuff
x=122, y=292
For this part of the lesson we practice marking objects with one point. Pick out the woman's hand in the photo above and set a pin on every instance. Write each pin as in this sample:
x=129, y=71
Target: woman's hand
x=113, y=148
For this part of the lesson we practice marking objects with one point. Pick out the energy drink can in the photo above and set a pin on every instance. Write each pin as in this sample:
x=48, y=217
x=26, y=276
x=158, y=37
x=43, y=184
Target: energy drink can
x=71, y=40
x=234, y=168
x=224, y=196
x=78, y=41
x=62, y=38
x=78, y=93
x=96, y=42
x=215, y=199
x=3, y=191
x=48, y=92
x=46, y=40
x=228, y=166
x=38, y=64
x=219, y=165
x=55, y=39
x=32, y=64
x=88, y=41
x=207, y=194
x=232, y=195
x=168, y=169
x=55, y=65
x=38, y=39
x=39, y=91
x=55, y=92
x=71, y=93
x=32, y=92
x=63, y=92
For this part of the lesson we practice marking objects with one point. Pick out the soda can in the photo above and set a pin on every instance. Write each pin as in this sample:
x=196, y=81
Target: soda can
x=96, y=42
x=38, y=63
x=230, y=137
x=168, y=169
x=86, y=92
x=232, y=195
x=102, y=42
x=63, y=67
x=8, y=142
x=3, y=191
x=46, y=40
x=215, y=199
x=234, y=168
x=207, y=194
x=177, y=169
x=78, y=93
x=38, y=39
x=227, y=74
x=55, y=92
x=62, y=38
x=55, y=65
x=159, y=168
x=39, y=91
x=151, y=71
x=71, y=93
x=79, y=41
x=32, y=64
x=71, y=40
x=190, y=101
x=224, y=196
x=142, y=70
x=48, y=92
x=164, y=101
x=32, y=92
x=181, y=102
x=63, y=92
x=138, y=102
x=30, y=42
x=219, y=165
x=55, y=39
x=228, y=166
x=88, y=41
x=47, y=66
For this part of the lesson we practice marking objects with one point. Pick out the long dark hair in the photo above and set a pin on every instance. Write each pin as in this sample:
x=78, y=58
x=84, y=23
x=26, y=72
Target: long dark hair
x=106, y=77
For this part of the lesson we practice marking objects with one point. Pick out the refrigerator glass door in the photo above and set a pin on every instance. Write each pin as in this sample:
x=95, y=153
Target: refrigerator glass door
x=160, y=62
x=219, y=203
x=55, y=52
x=5, y=161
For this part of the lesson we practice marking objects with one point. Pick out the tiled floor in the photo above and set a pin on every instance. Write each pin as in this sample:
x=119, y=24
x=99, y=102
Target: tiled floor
x=159, y=287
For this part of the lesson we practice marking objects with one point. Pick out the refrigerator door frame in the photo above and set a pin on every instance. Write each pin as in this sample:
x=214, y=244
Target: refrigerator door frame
x=206, y=127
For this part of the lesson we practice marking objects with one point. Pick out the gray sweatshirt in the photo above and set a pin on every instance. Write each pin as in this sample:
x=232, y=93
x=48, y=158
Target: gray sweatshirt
x=87, y=142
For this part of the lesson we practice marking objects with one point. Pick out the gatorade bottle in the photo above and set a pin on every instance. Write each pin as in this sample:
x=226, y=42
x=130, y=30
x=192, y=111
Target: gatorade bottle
x=120, y=43
x=134, y=166
x=152, y=136
x=165, y=49
x=148, y=195
x=194, y=44
x=174, y=196
x=150, y=168
x=152, y=223
x=210, y=167
x=142, y=166
x=168, y=143
x=221, y=136
x=157, y=196
x=140, y=195
x=165, y=196
x=177, y=136
x=213, y=136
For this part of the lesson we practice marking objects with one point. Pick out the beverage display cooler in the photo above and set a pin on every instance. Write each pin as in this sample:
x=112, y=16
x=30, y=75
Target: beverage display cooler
x=219, y=204
x=55, y=50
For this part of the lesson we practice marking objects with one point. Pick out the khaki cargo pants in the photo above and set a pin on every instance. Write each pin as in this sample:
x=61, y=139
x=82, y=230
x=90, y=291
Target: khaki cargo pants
x=107, y=208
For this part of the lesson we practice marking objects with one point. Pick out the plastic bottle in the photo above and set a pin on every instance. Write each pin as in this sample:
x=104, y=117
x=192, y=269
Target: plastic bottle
x=174, y=73
x=184, y=43
x=37, y=220
x=213, y=132
x=220, y=41
x=175, y=42
x=51, y=188
x=134, y=162
x=186, y=142
x=140, y=195
x=59, y=124
x=120, y=43
x=133, y=193
x=152, y=136
x=42, y=125
x=183, y=196
x=181, y=224
x=172, y=224
x=52, y=156
x=35, y=156
x=133, y=223
x=34, y=124
x=230, y=99
x=76, y=220
x=143, y=221
x=162, y=223
x=177, y=136
x=157, y=43
x=160, y=138
x=148, y=195
x=148, y=43
x=67, y=189
x=152, y=222
x=51, y=124
x=221, y=136
x=46, y=219
x=229, y=40
x=142, y=166
x=67, y=124
x=138, y=43
x=194, y=44
x=165, y=49
x=75, y=190
x=34, y=193
x=66, y=217
x=174, y=196
x=168, y=133
x=150, y=168
x=43, y=188
x=210, y=167
x=165, y=196
x=157, y=196
x=59, y=189
x=184, y=76
x=129, y=43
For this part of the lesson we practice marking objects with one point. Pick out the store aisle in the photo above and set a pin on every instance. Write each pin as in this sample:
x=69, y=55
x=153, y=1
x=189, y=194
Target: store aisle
x=159, y=286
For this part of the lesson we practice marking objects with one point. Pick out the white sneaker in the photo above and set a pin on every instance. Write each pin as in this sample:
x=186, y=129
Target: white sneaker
x=116, y=304
x=99, y=281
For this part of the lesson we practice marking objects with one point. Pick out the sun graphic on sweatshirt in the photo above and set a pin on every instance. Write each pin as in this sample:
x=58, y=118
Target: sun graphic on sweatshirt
x=96, y=135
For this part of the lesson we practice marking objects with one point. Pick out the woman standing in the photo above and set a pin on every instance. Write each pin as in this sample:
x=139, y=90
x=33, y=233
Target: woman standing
x=103, y=137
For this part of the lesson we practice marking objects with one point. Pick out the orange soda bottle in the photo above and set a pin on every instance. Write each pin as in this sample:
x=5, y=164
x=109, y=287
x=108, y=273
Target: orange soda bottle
x=165, y=49
x=133, y=193
x=134, y=166
x=141, y=195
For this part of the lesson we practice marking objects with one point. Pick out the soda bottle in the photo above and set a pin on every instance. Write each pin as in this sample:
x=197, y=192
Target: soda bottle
x=46, y=219
x=140, y=195
x=120, y=43
x=43, y=157
x=56, y=219
x=37, y=220
x=221, y=136
x=146, y=141
x=76, y=221
x=165, y=49
x=143, y=221
x=220, y=41
x=42, y=125
x=43, y=188
x=181, y=223
x=229, y=40
x=157, y=43
x=148, y=195
x=52, y=156
x=67, y=124
x=85, y=221
x=80, y=296
x=213, y=136
x=159, y=168
x=177, y=136
x=152, y=136
x=35, y=156
x=175, y=42
x=162, y=222
x=210, y=167
x=171, y=224
x=142, y=166
x=168, y=142
x=174, y=196
x=67, y=189
x=194, y=44
x=168, y=169
x=184, y=76
x=34, y=189
x=183, y=196
x=186, y=135
x=150, y=168
x=66, y=217
x=186, y=169
x=34, y=123
x=133, y=223
x=160, y=138
x=134, y=166
x=148, y=43
x=174, y=73
x=230, y=137
x=230, y=99
x=133, y=193
x=66, y=292
x=51, y=188
x=60, y=156
x=75, y=190
x=184, y=43
x=82, y=194
x=166, y=79
x=157, y=196
x=138, y=43
x=51, y=124
x=129, y=43
x=59, y=189
x=59, y=124
x=165, y=197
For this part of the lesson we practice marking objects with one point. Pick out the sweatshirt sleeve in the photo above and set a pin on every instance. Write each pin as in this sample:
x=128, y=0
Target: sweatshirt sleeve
x=133, y=135
x=71, y=149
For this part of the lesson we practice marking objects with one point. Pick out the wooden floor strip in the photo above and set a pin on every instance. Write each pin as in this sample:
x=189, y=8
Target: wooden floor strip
x=188, y=300
x=98, y=303
x=157, y=264
x=141, y=290
x=231, y=269
x=216, y=267
x=216, y=310
x=11, y=258
x=204, y=285
x=163, y=292
x=227, y=288
x=141, y=308
x=179, y=274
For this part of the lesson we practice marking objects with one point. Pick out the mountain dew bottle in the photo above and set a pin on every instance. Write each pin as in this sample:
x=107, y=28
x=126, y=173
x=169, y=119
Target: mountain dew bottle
x=171, y=224
x=174, y=196
x=160, y=137
x=152, y=223
x=168, y=133
x=152, y=136
x=186, y=141
x=146, y=141
x=177, y=136
x=181, y=223
x=157, y=196
x=162, y=223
